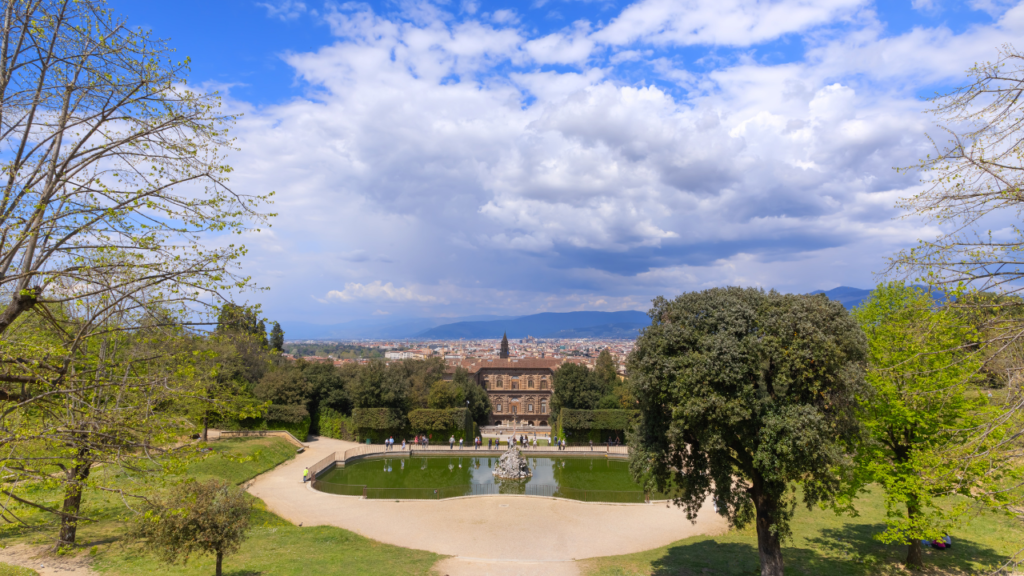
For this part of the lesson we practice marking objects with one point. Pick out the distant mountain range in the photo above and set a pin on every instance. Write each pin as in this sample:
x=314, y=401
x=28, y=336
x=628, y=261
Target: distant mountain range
x=625, y=324
x=373, y=328
x=848, y=297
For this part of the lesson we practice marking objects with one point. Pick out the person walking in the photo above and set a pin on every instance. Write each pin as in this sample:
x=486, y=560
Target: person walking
x=460, y=443
x=591, y=444
x=451, y=443
x=305, y=475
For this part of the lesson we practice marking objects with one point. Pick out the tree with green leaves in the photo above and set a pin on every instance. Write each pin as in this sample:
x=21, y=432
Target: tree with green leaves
x=113, y=177
x=446, y=394
x=574, y=386
x=920, y=415
x=605, y=373
x=743, y=394
x=277, y=338
x=210, y=517
x=479, y=402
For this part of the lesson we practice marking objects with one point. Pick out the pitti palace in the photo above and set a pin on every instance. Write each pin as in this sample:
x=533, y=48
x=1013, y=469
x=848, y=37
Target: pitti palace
x=519, y=388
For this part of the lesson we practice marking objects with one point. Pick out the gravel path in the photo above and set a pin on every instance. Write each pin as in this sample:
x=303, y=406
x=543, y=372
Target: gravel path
x=489, y=534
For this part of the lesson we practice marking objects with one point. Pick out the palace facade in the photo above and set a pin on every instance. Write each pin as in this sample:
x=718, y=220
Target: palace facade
x=519, y=389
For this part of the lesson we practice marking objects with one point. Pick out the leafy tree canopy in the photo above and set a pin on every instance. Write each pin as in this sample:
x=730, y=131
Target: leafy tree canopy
x=447, y=394
x=574, y=386
x=209, y=517
x=923, y=414
x=743, y=393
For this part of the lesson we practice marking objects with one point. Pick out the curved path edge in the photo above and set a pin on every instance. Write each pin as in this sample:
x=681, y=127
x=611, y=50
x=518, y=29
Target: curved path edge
x=482, y=532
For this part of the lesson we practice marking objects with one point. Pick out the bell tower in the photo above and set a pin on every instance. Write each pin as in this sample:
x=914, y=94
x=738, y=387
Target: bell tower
x=504, y=346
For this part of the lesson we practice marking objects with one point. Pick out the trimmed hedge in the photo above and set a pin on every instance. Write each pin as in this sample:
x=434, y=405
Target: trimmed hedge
x=448, y=422
x=597, y=419
x=298, y=429
x=334, y=424
x=378, y=418
x=293, y=413
x=436, y=420
x=596, y=425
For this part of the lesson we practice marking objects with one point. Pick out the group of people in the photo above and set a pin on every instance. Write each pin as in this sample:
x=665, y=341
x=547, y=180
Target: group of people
x=945, y=543
x=389, y=443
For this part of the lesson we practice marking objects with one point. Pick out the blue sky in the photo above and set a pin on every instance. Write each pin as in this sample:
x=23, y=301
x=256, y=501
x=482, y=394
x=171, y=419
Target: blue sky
x=486, y=157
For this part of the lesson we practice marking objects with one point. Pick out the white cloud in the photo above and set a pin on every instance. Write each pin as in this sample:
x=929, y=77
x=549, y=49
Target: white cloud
x=440, y=153
x=568, y=47
x=284, y=9
x=377, y=291
x=721, y=22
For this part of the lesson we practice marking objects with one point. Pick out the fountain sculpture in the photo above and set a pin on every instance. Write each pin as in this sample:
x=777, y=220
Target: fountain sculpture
x=512, y=466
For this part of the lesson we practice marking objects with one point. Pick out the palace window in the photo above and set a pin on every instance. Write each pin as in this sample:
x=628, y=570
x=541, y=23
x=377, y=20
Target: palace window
x=543, y=406
x=531, y=408
x=515, y=410
x=499, y=408
x=515, y=385
x=499, y=383
x=543, y=383
x=530, y=384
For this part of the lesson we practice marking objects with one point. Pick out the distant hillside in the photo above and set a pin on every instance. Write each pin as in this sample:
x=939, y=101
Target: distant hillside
x=385, y=328
x=850, y=298
x=623, y=324
x=626, y=331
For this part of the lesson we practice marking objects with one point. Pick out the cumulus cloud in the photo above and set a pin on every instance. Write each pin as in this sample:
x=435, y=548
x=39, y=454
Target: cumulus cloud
x=462, y=159
x=378, y=291
x=721, y=22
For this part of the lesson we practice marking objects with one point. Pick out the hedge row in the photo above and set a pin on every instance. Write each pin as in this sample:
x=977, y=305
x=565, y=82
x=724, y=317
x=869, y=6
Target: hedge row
x=298, y=429
x=429, y=420
x=293, y=413
x=334, y=424
x=378, y=419
x=596, y=419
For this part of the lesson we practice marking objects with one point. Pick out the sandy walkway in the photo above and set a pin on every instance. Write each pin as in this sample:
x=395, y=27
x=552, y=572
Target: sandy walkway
x=38, y=559
x=484, y=532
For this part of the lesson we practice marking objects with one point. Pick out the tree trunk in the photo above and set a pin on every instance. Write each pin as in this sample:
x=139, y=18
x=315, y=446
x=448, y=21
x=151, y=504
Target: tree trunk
x=206, y=426
x=220, y=560
x=769, y=547
x=915, y=557
x=76, y=478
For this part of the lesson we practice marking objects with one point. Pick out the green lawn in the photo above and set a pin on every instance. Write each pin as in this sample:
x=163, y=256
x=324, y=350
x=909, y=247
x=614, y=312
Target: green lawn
x=823, y=543
x=274, y=546
x=277, y=547
x=8, y=570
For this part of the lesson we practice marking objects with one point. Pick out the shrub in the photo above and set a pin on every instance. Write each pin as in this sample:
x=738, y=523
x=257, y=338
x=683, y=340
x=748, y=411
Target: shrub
x=378, y=418
x=291, y=413
x=596, y=425
x=334, y=424
x=209, y=517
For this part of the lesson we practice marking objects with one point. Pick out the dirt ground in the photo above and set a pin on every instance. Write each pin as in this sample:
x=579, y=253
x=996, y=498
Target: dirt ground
x=37, y=558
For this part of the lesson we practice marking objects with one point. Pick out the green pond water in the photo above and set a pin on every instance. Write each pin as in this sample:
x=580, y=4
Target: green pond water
x=578, y=478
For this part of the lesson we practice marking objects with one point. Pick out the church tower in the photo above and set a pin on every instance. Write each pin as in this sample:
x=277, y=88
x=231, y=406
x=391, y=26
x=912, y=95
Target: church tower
x=504, y=346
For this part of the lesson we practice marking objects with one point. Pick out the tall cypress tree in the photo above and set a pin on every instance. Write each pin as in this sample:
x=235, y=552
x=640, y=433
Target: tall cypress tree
x=277, y=338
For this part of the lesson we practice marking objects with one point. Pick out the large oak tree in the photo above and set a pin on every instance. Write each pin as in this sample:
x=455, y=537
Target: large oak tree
x=743, y=394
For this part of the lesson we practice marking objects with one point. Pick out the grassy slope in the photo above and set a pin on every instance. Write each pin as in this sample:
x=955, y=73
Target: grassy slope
x=274, y=546
x=822, y=543
x=277, y=547
x=8, y=570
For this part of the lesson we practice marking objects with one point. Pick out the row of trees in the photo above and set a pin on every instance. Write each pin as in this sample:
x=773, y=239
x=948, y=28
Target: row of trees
x=579, y=388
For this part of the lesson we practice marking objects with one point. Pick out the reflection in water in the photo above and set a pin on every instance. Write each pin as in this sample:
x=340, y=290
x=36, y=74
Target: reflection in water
x=549, y=474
